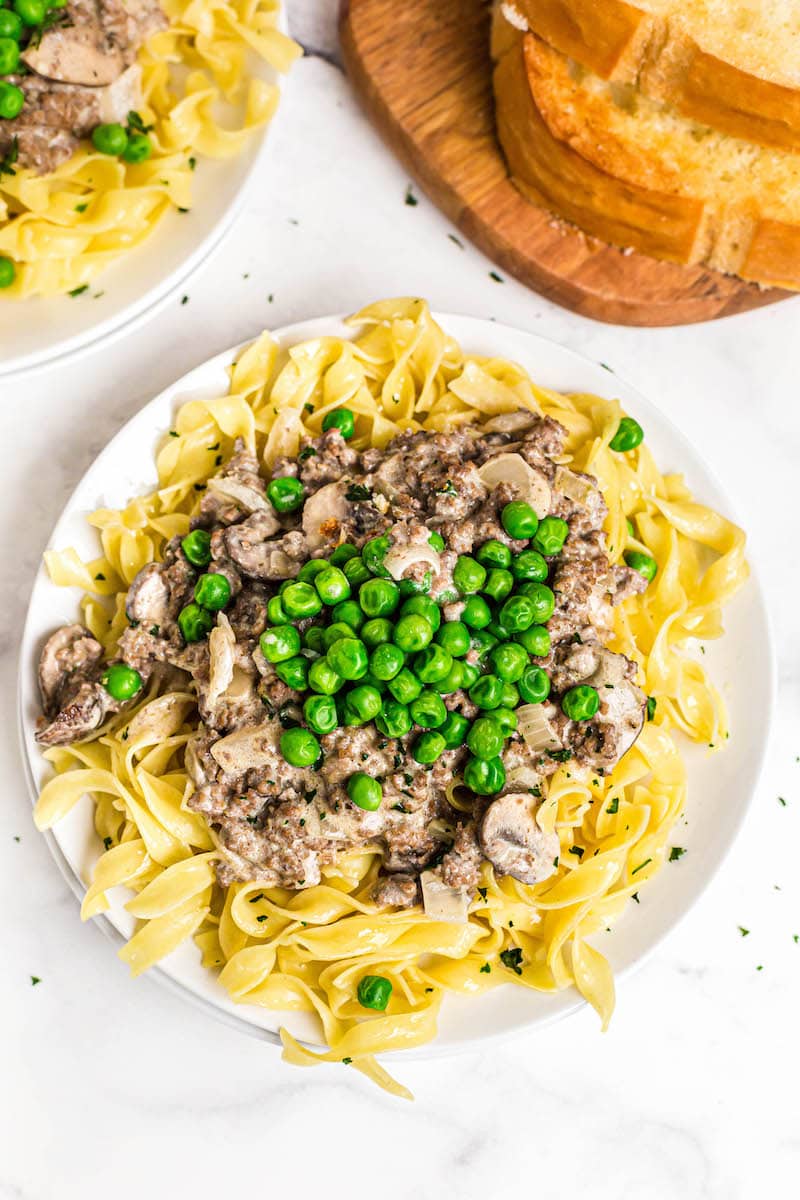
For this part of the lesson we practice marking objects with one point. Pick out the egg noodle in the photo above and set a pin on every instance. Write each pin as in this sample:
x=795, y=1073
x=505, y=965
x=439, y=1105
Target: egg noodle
x=63, y=228
x=306, y=950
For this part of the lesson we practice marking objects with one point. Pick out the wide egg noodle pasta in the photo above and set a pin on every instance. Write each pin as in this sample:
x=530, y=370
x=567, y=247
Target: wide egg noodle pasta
x=62, y=229
x=305, y=951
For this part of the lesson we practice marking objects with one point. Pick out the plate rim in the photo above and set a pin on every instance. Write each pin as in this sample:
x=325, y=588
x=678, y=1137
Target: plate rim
x=290, y=334
x=153, y=301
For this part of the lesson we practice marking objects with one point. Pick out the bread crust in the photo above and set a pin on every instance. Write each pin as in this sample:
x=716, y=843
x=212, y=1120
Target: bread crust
x=572, y=164
x=618, y=41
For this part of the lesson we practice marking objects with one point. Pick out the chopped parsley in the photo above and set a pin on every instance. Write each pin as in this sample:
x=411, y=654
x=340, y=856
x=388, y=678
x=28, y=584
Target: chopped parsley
x=635, y=896
x=411, y=200
x=357, y=491
x=578, y=850
x=613, y=806
x=651, y=707
x=184, y=299
x=78, y=291
x=781, y=801
x=497, y=278
x=512, y=959
x=456, y=241
x=253, y=899
x=34, y=980
x=107, y=842
x=483, y=892
x=347, y=1061
x=263, y=917
x=307, y=452
x=81, y=208
x=486, y=969
x=559, y=755
x=676, y=852
x=744, y=932
x=10, y=157
x=641, y=866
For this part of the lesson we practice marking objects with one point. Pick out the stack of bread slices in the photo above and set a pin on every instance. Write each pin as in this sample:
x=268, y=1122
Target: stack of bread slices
x=667, y=126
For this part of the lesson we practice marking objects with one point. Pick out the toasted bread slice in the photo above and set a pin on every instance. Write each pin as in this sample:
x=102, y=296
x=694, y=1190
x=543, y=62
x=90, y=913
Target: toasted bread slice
x=731, y=64
x=635, y=173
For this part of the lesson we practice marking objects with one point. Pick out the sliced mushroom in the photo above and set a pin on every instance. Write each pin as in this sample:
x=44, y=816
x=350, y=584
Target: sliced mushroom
x=513, y=422
x=529, y=483
x=443, y=903
x=148, y=600
x=248, y=498
x=247, y=545
x=84, y=713
x=246, y=748
x=68, y=654
x=324, y=513
x=79, y=53
x=513, y=842
x=623, y=704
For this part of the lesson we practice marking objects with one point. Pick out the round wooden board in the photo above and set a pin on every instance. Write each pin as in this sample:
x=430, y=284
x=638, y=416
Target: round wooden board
x=423, y=73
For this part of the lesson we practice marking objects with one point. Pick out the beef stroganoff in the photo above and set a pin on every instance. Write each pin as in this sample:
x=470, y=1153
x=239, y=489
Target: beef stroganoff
x=377, y=694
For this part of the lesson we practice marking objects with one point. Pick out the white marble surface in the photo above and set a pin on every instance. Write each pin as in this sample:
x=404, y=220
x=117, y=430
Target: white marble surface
x=112, y=1089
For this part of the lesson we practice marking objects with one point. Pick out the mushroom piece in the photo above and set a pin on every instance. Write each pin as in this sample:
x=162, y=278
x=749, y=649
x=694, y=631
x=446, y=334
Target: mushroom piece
x=623, y=704
x=148, y=599
x=530, y=484
x=246, y=497
x=76, y=54
x=324, y=513
x=512, y=840
x=443, y=903
x=253, y=746
x=69, y=654
x=84, y=713
x=247, y=545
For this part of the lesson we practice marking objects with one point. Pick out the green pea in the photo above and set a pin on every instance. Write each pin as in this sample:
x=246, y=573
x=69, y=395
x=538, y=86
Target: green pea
x=508, y=661
x=437, y=541
x=394, y=719
x=482, y=642
x=453, y=680
x=30, y=12
x=529, y=565
x=494, y=554
x=356, y=572
x=519, y=520
x=453, y=637
x=629, y=435
x=122, y=682
x=332, y=585
x=377, y=631
x=138, y=149
x=518, y=612
x=348, y=612
x=487, y=692
x=279, y=643
x=509, y=697
x=423, y=606
x=195, y=623
x=9, y=53
x=405, y=687
x=506, y=718
x=311, y=569
x=197, y=547
x=469, y=674
x=109, y=139
x=294, y=672
x=299, y=747
x=412, y=632
x=542, y=598
x=343, y=553
x=212, y=592
x=322, y=677
x=12, y=101
x=476, y=612
x=374, y=682
x=416, y=587
x=320, y=714
x=364, y=791
x=536, y=640
x=551, y=535
x=498, y=583
x=10, y=25
x=285, y=494
x=432, y=664
x=348, y=657
x=485, y=738
x=468, y=575
x=8, y=272
x=428, y=747
x=365, y=701
x=334, y=632
x=341, y=419
x=373, y=991
x=300, y=600
x=643, y=563
x=454, y=730
x=378, y=597
x=428, y=710
x=499, y=631
x=386, y=661
x=534, y=686
x=580, y=703
x=484, y=777
x=373, y=554
x=313, y=638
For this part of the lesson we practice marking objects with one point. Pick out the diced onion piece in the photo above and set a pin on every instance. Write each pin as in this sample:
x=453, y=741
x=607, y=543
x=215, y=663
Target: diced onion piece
x=254, y=746
x=246, y=497
x=400, y=559
x=221, y=647
x=536, y=728
x=159, y=719
x=531, y=485
x=513, y=422
x=443, y=903
x=326, y=508
x=573, y=486
x=527, y=777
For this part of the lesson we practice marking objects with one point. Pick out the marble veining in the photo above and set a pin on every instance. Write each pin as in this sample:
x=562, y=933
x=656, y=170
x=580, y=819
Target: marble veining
x=114, y=1089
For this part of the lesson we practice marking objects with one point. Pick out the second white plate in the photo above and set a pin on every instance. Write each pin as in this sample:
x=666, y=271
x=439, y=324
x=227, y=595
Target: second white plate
x=721, y=785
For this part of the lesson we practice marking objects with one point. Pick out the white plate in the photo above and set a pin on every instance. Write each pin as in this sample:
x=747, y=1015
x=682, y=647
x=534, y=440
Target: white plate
x=40, y=332
x=721, y=785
